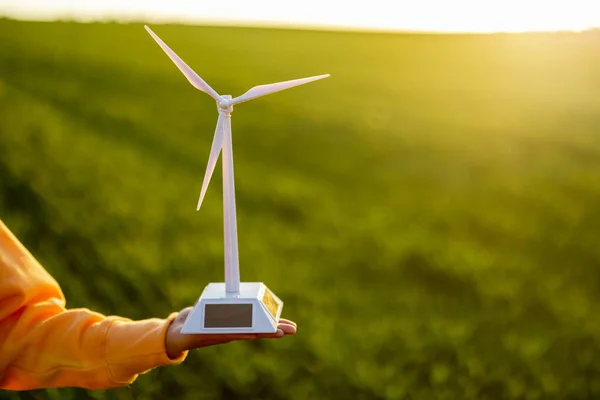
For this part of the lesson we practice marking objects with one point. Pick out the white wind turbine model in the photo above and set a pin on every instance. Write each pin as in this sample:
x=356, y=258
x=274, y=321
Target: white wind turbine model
x=230, y=307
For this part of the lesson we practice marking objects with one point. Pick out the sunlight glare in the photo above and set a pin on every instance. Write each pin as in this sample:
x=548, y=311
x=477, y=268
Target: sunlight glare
x=415, y=15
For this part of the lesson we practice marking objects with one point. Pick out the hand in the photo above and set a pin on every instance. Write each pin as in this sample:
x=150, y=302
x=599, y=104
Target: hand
x=177, y=342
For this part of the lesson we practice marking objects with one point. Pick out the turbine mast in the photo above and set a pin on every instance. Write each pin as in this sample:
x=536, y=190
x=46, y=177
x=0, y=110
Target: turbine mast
x=232, y=266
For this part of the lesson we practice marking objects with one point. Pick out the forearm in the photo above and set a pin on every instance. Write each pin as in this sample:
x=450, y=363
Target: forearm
x=48, y=347
x=42, y=344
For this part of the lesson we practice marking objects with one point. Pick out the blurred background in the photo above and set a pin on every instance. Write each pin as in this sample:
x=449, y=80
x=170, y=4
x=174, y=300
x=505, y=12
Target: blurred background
x=429, y=214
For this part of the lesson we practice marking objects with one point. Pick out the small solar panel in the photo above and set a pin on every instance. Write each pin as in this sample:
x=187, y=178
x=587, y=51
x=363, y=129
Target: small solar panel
x=270, y=303
x=228, y=316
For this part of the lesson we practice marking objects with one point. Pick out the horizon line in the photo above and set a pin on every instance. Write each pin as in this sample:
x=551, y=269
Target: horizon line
x=266, y=24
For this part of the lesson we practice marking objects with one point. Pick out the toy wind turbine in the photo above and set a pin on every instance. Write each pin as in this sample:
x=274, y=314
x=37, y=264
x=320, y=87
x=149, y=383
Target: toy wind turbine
x=230, y=307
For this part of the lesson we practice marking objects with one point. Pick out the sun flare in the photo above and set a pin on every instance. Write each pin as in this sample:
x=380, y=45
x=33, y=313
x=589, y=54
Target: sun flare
x=415, y=15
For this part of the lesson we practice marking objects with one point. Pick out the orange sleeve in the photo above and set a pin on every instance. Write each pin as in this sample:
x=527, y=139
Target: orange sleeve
x=44, y=345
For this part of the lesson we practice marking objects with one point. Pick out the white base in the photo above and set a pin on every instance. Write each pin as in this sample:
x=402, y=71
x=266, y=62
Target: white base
x=255, y=310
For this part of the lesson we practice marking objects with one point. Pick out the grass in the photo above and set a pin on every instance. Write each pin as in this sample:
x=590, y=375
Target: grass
x=429, y=214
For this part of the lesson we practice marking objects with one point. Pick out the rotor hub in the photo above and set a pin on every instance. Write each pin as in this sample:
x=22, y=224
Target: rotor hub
x=224, y=103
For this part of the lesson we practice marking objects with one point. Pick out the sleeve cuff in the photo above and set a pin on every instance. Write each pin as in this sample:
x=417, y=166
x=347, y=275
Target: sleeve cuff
x=136, y=347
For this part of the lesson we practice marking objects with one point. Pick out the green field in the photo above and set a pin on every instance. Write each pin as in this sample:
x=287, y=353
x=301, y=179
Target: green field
x=430, y=214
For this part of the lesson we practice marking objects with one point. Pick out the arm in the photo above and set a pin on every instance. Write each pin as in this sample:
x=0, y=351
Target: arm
x=43, y=345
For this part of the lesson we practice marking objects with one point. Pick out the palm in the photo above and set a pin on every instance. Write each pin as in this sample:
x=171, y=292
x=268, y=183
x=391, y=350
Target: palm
x=178, y=342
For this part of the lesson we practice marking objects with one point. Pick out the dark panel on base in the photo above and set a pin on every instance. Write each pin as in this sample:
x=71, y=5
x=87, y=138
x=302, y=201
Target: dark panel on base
x=228, y=316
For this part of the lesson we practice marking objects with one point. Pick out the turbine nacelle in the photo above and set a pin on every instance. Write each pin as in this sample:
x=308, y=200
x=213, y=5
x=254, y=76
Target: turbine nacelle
x=225, y=104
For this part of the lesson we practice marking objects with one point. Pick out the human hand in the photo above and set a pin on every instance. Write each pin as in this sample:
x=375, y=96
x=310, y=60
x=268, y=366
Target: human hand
x=177, y=342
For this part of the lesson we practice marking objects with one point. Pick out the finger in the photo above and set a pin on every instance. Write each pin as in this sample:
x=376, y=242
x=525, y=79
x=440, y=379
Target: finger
x=239, y=336
x=287, y=322
x=287, y=329
x=211, y=339
x=252, y=336
x=274, y=335
x=182, y=315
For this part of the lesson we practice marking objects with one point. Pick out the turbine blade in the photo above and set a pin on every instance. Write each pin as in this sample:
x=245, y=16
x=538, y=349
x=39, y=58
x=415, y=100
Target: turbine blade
x=191, y=76
x=215, y=149
x=263, y=90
